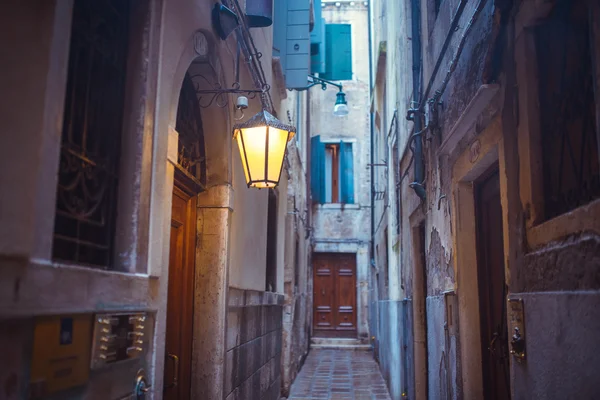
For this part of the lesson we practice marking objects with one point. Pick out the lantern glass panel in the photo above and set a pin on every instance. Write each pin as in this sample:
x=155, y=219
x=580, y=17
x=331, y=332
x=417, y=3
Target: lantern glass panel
x=254, y=143
x=278, y=139
x=238, y=136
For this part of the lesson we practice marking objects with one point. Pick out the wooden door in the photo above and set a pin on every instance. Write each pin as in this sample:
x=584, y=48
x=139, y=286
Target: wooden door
x=492, y=290
x=180, y=312
x=334, y=297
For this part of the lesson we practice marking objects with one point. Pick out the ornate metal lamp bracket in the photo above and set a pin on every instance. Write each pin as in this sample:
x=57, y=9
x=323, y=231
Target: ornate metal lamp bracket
x=315, y=80
x=218, y=95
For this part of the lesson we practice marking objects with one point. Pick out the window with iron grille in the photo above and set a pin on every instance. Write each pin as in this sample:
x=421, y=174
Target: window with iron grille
x=190, y=157
x=569, y=138
x=91, y=137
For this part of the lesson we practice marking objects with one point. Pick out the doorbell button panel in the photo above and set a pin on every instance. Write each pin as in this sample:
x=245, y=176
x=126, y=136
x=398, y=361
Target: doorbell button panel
x=118, y=337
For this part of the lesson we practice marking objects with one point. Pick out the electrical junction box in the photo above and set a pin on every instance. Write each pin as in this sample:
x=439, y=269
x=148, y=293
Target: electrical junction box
x=61, y=353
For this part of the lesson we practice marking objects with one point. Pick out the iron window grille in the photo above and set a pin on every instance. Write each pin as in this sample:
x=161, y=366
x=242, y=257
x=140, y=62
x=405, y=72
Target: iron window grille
x=91, y=137
x=569, y=138
x=190, y=153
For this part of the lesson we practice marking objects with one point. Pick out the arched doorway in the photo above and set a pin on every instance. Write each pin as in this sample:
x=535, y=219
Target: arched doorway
x=202, y=206
x=189, y=181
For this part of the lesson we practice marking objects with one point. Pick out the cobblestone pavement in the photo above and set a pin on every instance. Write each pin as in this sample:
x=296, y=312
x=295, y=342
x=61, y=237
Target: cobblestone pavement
x=339, y=374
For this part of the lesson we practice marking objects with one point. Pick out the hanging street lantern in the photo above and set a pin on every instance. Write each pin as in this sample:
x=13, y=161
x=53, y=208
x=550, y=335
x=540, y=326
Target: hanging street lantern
x=341, y=106
x=262, y=141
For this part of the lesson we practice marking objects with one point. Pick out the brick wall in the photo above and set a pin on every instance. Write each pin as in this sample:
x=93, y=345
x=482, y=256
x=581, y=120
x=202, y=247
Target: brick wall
x=253, y=360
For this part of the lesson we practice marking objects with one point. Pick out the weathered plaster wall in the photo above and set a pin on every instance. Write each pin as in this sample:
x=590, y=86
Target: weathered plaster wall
x=394, y=91
x=553, y=266
x=248, y=233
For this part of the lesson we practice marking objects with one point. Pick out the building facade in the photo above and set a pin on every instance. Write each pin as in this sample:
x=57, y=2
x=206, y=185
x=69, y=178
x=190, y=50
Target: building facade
x=491, y=203
x=339, y=161
x=131, y=248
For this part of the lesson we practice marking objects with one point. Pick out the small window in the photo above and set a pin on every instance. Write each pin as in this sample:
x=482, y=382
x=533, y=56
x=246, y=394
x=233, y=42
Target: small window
x=332, y=172
x=569, y=138
x=91, y=137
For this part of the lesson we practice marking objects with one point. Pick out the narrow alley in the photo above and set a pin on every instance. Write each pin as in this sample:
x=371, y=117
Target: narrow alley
x=299, y=199
x=339, y=375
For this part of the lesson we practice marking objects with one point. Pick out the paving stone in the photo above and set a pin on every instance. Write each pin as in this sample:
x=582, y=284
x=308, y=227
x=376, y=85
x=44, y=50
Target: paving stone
x=330, y=374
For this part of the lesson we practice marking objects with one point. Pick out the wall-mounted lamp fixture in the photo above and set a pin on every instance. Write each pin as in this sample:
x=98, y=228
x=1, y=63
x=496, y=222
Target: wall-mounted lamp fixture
x=340, y=108
x=262, y=141
x=224, y=20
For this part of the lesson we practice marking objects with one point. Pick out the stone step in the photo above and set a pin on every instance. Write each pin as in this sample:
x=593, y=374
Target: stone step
x=339, y=343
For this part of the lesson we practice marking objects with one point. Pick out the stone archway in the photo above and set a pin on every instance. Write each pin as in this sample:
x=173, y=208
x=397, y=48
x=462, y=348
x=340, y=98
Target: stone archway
x=214, y=208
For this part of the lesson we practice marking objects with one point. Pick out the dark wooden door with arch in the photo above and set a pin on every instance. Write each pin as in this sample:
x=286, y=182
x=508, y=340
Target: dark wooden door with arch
x=189, y=180
x=334, y=297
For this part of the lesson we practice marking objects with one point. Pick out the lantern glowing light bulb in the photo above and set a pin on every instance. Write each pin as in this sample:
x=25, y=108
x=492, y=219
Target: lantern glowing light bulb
x=262, y=141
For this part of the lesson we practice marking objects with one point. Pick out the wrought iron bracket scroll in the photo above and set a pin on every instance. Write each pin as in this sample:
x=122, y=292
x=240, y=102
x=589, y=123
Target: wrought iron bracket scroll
x=218, y=95
x=315, y=80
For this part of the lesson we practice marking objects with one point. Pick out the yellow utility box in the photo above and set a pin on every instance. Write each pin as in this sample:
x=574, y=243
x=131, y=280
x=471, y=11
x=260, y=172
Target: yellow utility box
x=61, y=353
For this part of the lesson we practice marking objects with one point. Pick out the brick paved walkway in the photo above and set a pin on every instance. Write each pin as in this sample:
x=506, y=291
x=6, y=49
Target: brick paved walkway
x=339, y=374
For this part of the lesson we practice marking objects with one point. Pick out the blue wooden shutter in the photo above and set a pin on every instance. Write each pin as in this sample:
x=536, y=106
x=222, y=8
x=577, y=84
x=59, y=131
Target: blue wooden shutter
x=317, y=41
x=338, y=54
x=347, y=173
x=317, y=169
x=317, y=49
x=280, y=31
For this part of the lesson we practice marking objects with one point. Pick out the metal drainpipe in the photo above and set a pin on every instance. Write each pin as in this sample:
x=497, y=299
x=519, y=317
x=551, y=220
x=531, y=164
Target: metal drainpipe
x=372, y=133
x=307, y=166
x=415, y=113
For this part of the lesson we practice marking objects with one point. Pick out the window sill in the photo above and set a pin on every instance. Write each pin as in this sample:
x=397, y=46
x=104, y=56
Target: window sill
x=57, y=288
x=339, y=206
x=584, y=218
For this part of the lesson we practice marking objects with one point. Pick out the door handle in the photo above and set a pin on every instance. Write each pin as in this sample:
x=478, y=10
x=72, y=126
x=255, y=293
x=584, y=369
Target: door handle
x=323, y=292
x=175, y=371
x=493, y=343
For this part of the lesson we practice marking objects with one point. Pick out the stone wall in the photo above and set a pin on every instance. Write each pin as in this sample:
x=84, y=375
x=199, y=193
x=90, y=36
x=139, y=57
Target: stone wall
x=253, y=359
x=297, y=310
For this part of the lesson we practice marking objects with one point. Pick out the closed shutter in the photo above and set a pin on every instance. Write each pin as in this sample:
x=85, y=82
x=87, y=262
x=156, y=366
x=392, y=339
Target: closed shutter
x=317, y=169
x=317, y=49
x=347, y=173
x=317, y=41
x=280, y=31
x=338, y=54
